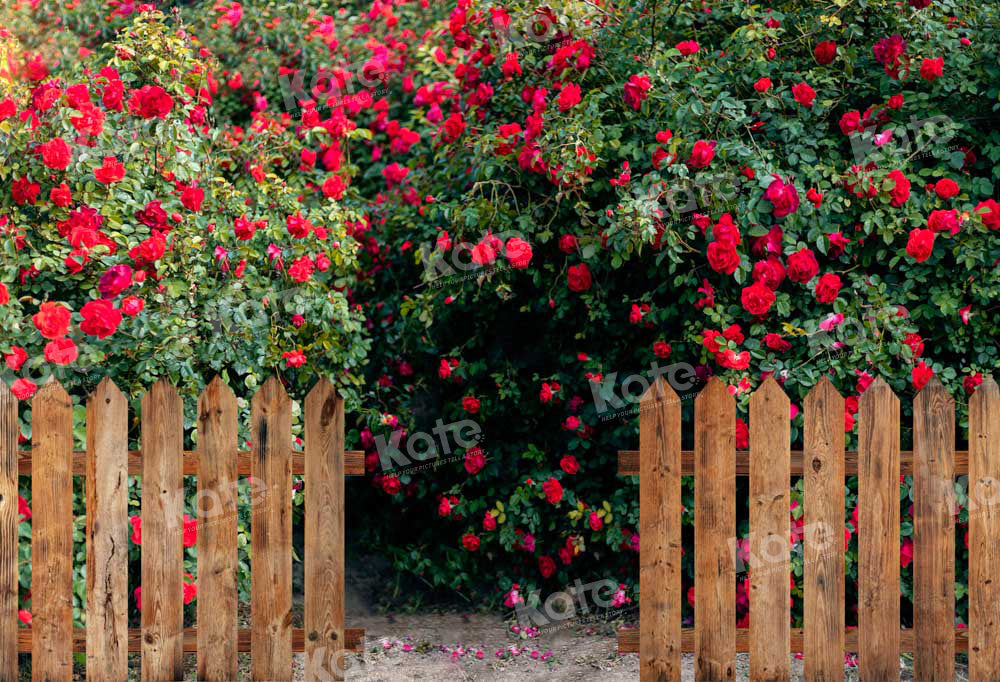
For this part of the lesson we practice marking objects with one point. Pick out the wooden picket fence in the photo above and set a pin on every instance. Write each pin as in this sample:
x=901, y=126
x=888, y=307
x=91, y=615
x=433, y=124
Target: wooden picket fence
x=823, y=463
x=162, y=463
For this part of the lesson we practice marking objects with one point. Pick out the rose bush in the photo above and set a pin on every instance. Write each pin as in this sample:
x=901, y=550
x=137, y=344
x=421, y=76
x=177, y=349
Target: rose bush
x=549, y=198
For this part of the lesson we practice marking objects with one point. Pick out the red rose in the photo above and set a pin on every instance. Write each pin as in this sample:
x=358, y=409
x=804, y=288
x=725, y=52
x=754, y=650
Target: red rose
x=776, y=343
x=568, y=243
x=920, y=245
x=61, y=196
x=814, y=198
x=921, y=375
x=100, y=319
x=553, y=491
x=851, y=123
x=989, y=212
x=23, y=389
x=470, y=542
x=662, y=350
x=931, y=69
x=4, y=294
x=578, y=278
x=770, y=272
x=569, y=97
x=702, y=154
x=946, y=188
x=61, y=352
x=132, y=305
x=489, y=522
x=804, y=95
x=56, y=154
x=900, y=188
x=742, y=435
x=827, y=288
x=150, y=101
x=944, y=221
x=24, y=191
x=763, y=85
x=802, y=266
x=391, y=485
x=895, y=102
x=470, y=404
x=334, y=188
x=971, y=383
x=825, y=52
x=757, y=299
x=474, y=461
x=518, y=253
x=916, y=344
x=192, y=198
x=637, y=90
x=17, y=357
x=569, y=464
x=723, y=257
x=784, y=197
x=688, y=47
x=111, y=171
x=546, y=566
x=52, y=320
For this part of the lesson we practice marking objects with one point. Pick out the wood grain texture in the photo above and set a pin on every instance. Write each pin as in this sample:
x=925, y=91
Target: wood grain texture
x=52, y=535
x=770, y=592
x=217, y=541
x=628, y=641
x=628, y=462
x=934, y=533
x=354, y=463
x=324, y=530
x=878, y=535
x=271, y=535
x=660, y=528
x=107, y=534
x=355, y=638
x=9, y=519
x=984, y=532
x=162, y=535
x=714, y=526
x=823, y=544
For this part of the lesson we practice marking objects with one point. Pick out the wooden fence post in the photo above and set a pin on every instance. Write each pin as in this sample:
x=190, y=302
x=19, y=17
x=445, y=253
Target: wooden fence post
x=9, y=432
x=823, y=543
x=770, y=445
x=878, y=536
x=107, y=534
x=714, y=527
x=660, y=534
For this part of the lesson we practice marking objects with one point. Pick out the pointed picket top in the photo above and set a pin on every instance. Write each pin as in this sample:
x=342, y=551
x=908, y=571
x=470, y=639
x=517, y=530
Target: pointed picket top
x=321, y=391
x=824, y=390
x=271, y=391
x=715, y=389
x=162, y=391
x=216, y=393
x=107, y=391
x=51, y=391
x=660, y=390
x=988, y=390
x=878, y=390
x=933, y=393
x=770, y=391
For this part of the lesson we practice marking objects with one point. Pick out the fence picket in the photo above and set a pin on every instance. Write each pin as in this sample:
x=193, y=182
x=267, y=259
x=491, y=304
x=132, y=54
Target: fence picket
x=324, y=529
x=984, y=532
x=162, y=534
x=823, y=629
x=934, y=533
x=660, y=530
x=107, y=534
x=52, y=535
x=878, y=536
x=714, y=526
x=770, y=458
x=271, y=535
x=9, y=431
x=217, y=537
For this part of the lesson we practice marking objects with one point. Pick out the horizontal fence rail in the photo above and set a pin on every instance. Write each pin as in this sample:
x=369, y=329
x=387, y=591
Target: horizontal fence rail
x=162, y=463
x=823, y=463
